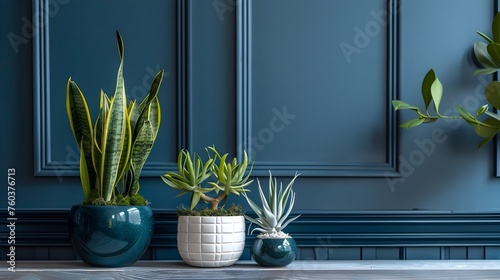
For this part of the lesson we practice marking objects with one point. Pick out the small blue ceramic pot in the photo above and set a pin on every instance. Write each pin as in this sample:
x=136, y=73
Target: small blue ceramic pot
x=110, y=236
x=274, y=251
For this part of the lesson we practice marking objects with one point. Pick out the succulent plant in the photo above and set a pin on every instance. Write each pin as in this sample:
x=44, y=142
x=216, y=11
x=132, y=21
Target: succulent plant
x=229, y=177
x=273, y=216
x=115, y=148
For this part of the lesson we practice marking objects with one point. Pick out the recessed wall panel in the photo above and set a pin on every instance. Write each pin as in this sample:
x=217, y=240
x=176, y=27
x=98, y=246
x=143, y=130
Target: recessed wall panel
x=77, y=39
x=317, y=78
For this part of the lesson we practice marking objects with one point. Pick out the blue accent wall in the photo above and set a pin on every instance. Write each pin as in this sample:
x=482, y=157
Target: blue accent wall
x=303, y=86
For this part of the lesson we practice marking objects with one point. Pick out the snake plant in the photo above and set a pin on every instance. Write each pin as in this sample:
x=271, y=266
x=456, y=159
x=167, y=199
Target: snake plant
x=272, y=217
x=488, y=56
x=228, y=177
x=114, y=148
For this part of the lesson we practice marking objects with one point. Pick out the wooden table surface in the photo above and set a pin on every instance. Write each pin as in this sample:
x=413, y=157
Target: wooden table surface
x=401, y=270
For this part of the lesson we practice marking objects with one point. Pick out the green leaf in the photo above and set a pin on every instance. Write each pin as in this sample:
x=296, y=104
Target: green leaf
x=133, y=114
x=84, y=173
x=147, y=110
x=120, y=45
x=485, y=71
x=399, y=105
x=81, y=124
x=97, y=159
x=494, y=51
x=483, y=57
x=427, y=83
x=254, y=206
x=485, y=37
x=114, y=147
x=412, y=123
x=470, y=119
x=175, y=181
x=495, y=28
x=437, y=93
x=103, y=113
x=485, y=141
x=284, y=225
x=492, y=94
x=140, y=151
x=195, y=198
x=488, y=127
x=190, y=169
x=482, y=110
x=155, y=116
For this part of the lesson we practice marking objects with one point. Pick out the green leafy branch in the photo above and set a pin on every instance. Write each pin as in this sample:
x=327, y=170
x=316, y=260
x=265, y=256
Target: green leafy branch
x=432, y=92
x=487, y=55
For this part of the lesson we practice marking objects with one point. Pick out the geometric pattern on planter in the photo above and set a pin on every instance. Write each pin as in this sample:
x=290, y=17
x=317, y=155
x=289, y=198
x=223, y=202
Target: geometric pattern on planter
x=210, y=241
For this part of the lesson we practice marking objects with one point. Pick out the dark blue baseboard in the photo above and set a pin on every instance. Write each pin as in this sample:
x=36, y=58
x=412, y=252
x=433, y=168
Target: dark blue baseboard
x=42, y=235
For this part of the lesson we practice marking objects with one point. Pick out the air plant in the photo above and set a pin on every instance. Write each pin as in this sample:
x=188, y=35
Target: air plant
x=272, y=217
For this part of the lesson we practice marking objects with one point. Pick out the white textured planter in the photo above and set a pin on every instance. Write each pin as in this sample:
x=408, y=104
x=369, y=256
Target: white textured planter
x=210, y=241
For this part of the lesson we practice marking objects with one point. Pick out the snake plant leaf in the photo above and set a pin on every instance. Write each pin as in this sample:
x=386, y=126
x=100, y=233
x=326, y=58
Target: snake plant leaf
x=133, y=113
x=492, y=94
x=84, y=172
x=80, y=123
x=494, y=51
x=103, y=112
x=149, y=108
x=120, y=45
x=437, y=93
x=155, y=116
x=140, y=151
x=124, y=163
x=154, y=107
x=153, y=91
x=412, y=123
x=114, y=147
x=96, y=157
x=427, y=83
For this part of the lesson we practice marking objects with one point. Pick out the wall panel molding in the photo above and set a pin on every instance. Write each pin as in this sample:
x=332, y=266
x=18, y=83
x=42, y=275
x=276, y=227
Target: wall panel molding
x=44, y=162
x=339, y=235
x=386, y=166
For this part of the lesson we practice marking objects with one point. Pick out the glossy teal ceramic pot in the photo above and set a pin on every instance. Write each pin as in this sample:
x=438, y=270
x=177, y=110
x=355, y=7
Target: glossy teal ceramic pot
x=110, y=236
x=274, y=251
